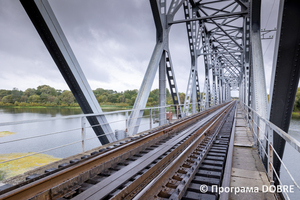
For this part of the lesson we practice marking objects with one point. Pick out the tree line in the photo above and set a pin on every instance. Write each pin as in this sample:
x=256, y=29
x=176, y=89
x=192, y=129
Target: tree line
x=297, y=101
x=44, y=95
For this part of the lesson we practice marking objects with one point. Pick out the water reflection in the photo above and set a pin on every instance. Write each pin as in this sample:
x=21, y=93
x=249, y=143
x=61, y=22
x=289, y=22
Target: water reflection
x=291, y=159
x=52, y=111
x=116, y=121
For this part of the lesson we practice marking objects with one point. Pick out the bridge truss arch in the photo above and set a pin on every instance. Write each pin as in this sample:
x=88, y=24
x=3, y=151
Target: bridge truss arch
x=226, y=33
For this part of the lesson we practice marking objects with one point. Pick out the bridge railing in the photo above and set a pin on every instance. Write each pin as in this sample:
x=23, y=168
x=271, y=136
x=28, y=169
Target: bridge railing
x=263, y=132
x=55, y=140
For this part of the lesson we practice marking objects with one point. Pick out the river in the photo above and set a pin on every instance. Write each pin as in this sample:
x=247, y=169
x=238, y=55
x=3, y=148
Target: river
x=291, y=157
x=117, y=121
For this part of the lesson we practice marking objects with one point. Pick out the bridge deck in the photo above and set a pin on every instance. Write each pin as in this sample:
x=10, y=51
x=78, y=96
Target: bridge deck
x=247, y=168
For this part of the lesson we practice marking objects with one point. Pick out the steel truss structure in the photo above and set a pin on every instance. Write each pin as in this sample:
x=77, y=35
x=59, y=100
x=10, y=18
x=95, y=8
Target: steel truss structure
x=225, y=33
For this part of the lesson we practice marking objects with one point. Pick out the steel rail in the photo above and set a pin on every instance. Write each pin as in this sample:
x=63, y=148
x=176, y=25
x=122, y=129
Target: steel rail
x=151, y=190
x=67, y=177
x=107, y=186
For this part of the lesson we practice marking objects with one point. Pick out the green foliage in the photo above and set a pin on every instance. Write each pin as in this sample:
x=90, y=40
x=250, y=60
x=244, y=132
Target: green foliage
x=45, y=95
x=67, y=97
x=297, y=101
x=7, y=99
x=2, y=175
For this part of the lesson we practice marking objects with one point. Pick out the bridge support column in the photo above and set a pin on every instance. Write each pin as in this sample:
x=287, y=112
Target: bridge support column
x=160, y=14
x=214, y=95
x=285, y=72
x=162, y=89
x=258, y=71
x=220, y=88
x=194, y=96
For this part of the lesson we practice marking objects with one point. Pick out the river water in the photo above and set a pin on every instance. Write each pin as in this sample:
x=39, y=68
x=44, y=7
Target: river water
x=38, y=144
x=291, y=157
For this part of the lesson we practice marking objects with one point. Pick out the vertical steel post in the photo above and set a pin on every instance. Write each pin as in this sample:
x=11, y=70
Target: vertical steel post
x=83, y=132
x=126, y=131
x=270, y=152
x=170, y=118
x=285, y=73
x=162, y=89
x=194, y=95
x=150, y=118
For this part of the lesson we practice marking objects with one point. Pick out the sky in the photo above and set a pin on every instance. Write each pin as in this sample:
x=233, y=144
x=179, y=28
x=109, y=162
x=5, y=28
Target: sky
x=112, y=40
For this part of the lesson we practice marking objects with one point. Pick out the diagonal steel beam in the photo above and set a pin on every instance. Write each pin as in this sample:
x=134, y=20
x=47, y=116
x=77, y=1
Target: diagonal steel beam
x=45, y=22
x=221, y=16
x=227, y=51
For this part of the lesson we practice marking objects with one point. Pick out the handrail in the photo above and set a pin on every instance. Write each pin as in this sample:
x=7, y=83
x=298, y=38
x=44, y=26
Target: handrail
x=292, y=141
x=83, y=127
x=270, y=128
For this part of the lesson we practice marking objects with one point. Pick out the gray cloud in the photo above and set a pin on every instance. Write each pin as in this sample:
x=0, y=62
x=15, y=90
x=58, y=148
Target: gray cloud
x=113, y=41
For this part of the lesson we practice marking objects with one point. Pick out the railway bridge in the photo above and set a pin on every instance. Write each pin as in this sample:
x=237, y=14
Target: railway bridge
x=211, y=142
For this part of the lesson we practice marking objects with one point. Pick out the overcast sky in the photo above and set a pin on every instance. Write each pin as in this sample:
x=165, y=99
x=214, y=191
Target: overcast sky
x=112, y=40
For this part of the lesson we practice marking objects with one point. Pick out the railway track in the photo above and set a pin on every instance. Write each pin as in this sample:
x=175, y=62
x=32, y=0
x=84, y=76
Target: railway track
x=126, y=169
x=192, y=175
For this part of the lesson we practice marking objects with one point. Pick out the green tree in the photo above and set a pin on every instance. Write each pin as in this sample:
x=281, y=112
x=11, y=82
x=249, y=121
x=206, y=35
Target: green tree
x=4, y=93
x=121, y=99
x=98, y=92
x=297, y=101
x=34, y=99
x=181, y=97
x=67, y=97
x=16, y=94
x=132, y=100
x=130, y=93
x=112, y=98
x=46, y=89
x=30, y=91
x=8, y=99
x=44, y=98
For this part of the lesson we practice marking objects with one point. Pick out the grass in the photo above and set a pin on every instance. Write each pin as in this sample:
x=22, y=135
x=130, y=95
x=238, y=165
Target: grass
x=76, y=107
x=19, y=166
x=296, y=115
x=5, y=133
x=72, y=107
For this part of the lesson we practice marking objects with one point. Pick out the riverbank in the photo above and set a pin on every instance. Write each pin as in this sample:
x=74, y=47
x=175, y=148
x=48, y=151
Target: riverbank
x=108, y=107
x=296, y=115
x=20, y=166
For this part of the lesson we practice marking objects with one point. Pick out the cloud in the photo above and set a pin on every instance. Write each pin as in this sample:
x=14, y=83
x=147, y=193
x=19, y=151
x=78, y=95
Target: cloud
x=111, y=39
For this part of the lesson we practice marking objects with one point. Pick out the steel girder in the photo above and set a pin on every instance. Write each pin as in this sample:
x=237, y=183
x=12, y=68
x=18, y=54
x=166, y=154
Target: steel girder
x=162, y=89
x=222, y=25
x=172, y=83
x=161, y=18
x=45, y=22
x=259, y=102
x=191, y=28
x=285, y=72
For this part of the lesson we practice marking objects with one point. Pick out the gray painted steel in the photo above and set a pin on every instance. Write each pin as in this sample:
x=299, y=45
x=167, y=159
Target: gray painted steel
x=53, y=37
x=162, y=89
x=258, y=71
x=285, y=72
x=162, y=32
